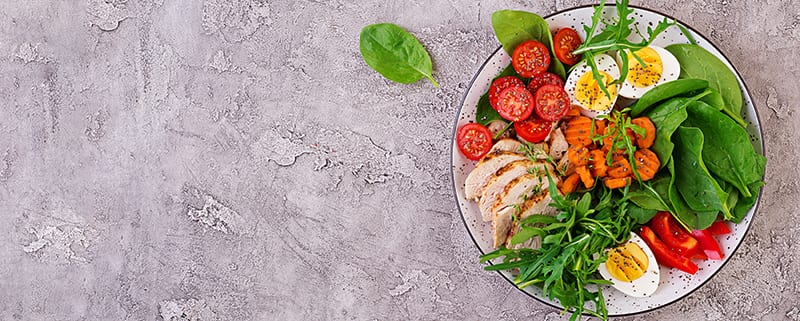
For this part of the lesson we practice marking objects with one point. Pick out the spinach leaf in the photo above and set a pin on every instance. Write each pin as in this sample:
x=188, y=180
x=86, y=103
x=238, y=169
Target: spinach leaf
x=666, y=91
x=395, y=53
x=699, y=189
x=698, y=63
x=513, y=27
x=746, y=203
x=730, y=154
x=733, y=195
x=651, y=195
x=484, y=113
x=689, y=218
x=641, y=215
x=667, y=118
x=714, y=99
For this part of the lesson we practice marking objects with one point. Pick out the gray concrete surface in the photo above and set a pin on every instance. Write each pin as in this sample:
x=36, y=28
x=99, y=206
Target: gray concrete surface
x=237, y=160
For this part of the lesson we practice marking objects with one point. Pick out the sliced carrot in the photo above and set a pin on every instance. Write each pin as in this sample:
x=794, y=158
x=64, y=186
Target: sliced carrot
x=570, y=184
x=600, y=126
x=649, y=137
x=620, y=167
x=597, y=163
x=585, y=176
x=574, y=111
x=613, y=183
x=647, y=163
x=578, y=131
x=578, y=155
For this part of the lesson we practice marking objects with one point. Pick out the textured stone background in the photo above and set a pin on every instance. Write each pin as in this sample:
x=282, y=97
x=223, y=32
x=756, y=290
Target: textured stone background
x=237, y=160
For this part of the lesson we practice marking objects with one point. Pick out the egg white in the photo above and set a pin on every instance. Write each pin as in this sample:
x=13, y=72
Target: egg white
x=645, y=285
x=671, y=69
x=604, y=63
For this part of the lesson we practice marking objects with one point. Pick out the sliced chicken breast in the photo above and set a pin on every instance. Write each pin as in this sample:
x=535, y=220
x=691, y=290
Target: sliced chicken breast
x=519, y=190
x=477, y=179
x=507, y=145
x=501, y=224
x=539, y=204
x=558, y=144
x=498, y=181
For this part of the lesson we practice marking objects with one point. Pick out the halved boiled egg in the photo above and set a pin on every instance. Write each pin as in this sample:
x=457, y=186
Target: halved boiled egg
x=660, y=67
x=632, y=268
x=584, y=90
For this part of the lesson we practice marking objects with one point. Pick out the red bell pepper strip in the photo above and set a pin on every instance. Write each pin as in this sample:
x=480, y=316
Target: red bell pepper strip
x=664, y=255
x=719, y=228
x=671, y=232
x=708, y=244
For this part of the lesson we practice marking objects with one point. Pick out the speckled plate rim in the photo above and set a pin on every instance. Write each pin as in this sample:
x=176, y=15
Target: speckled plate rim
x=755, y=207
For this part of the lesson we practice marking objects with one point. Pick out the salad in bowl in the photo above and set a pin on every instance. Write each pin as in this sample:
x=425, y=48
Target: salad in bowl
x=607, y=160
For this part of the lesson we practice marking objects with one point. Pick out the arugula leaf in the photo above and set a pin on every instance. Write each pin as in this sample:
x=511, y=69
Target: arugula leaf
x=395, y=53
x=614, y=37
x=565, y=264
x=514, y=27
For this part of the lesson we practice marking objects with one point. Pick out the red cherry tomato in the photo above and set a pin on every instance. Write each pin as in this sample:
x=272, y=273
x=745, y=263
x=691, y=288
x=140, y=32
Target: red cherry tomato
x=565, y=41
x=533, y=129
x=502, y=83
x=515, y=103
x=545, y=78
x=474, y=140
x=530, y=57
x=551, y=102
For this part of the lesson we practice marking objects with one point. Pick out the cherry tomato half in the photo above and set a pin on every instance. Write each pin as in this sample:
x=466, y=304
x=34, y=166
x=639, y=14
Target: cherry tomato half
x=533, y=129
x=515, y=103
x=545, y=78
x=502, y=83
x=474, y=140
x=530, y=57
x=551, y=102
x=567, y=40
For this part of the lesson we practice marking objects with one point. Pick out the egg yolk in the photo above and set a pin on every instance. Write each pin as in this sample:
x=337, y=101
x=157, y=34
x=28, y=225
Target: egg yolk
x=627, y=262
x=647, y=75
x=591, y=96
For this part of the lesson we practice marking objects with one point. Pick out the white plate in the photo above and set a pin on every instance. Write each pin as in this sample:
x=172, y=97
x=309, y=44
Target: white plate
x=674, y=284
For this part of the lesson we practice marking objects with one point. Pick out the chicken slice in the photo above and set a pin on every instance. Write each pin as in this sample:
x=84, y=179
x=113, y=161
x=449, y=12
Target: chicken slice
x=506, y=145
x=501, y=224
x=539, y=204
x=519, y=190
x=558, y=144
x=498, y=181
x=477, y=179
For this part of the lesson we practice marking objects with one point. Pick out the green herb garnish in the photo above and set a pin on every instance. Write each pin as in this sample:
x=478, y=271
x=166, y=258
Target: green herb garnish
x=615, y=37
x=572, y=248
